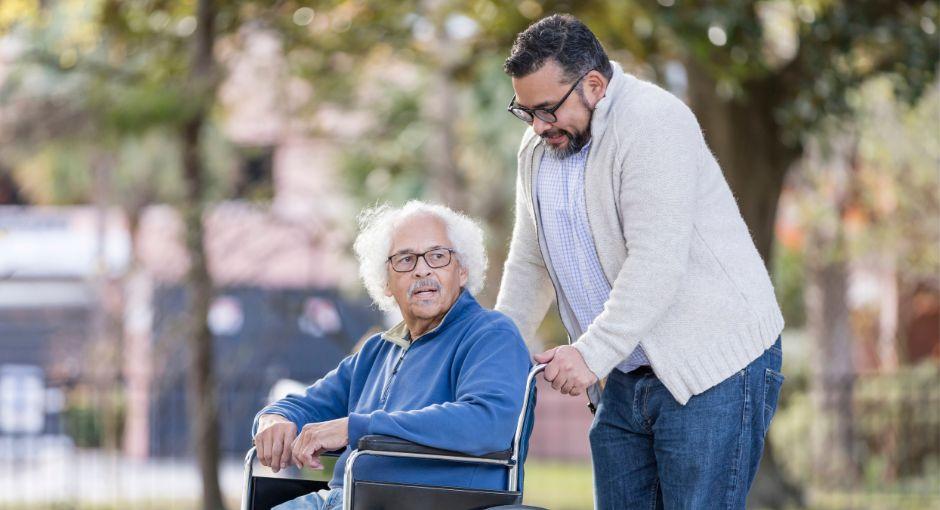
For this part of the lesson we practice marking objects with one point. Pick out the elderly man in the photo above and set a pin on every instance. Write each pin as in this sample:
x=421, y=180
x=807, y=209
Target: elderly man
x=451, y=375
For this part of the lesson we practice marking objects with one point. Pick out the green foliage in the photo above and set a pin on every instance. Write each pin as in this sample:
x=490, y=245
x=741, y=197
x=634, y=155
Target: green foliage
x=898, y=181
x=134, y=110
x=86, y=425
x=388, y=161
x=836, y=45
x=895, y=422
x=789, y=278
x=559, y=485
x=144, y=169
x=120, y=69
x=83, y=425
x=874, y=174
x=899, y=416
x=489, y=137
x=56, y=174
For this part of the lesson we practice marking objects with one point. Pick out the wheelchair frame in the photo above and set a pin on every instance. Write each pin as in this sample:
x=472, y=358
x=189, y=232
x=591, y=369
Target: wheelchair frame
x=383, y=446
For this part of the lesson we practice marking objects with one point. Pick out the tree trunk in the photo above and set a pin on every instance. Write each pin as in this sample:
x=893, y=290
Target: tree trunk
x=889, y=302
x=446, y=179
x=832, y=364
x=441, y=109
x=106, y=345
x=832, y=371
x=202, y=395
x=747, y=143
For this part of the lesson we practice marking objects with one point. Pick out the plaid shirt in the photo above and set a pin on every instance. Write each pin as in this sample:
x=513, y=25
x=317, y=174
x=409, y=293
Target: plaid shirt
x=560, y=190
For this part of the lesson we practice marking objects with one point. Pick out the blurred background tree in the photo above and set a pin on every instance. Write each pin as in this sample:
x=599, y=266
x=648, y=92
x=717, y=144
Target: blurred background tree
x=113, y=73
x=130, y=89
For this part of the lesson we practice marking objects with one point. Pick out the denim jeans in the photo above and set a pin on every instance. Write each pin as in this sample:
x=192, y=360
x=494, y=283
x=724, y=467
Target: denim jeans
x=333, y=500
x=651, y=452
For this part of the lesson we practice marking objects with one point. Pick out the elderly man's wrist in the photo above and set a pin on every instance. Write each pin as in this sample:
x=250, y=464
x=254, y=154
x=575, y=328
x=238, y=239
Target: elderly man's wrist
x=268, y=419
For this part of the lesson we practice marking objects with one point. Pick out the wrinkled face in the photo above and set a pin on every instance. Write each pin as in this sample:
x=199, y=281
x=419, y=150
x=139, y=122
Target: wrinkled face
x=544, y=89
x=424, y=293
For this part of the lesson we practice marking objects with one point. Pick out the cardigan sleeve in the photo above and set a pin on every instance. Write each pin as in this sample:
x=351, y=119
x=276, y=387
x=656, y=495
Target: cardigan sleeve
x=526, y=291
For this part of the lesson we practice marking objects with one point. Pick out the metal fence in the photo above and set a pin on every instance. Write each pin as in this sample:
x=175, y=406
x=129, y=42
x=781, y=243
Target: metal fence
x=79, y=458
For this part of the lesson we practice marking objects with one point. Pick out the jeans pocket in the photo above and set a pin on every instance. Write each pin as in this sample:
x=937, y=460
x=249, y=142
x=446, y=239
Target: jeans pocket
x=773, y=380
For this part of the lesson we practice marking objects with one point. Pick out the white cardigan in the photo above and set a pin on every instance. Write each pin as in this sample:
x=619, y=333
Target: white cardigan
x=687, y=282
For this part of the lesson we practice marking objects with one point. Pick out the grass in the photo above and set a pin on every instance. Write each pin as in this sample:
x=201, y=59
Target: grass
x=559, y=485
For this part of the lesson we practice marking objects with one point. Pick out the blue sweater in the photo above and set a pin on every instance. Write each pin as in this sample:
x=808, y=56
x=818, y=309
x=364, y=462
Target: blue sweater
x=458, y=387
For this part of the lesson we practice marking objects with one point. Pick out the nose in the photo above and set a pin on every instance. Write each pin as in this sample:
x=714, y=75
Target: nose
x=540, y=126
x=422, y=269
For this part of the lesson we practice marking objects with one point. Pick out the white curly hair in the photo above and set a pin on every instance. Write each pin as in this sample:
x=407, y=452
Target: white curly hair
x=376, y=226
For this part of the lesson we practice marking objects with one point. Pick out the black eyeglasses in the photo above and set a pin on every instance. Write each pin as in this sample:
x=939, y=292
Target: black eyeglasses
x=436, y=258
x=547, y=114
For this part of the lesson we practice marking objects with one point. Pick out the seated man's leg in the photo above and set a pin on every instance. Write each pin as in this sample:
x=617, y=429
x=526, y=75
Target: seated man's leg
x=322, y=500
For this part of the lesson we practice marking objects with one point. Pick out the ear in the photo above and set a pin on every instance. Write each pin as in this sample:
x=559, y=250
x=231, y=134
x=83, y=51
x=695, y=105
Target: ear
x=595, y=86
x=464, y=276
x=388, y=290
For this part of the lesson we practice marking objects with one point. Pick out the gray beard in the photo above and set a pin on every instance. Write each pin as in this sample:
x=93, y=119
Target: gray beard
x=575, y=144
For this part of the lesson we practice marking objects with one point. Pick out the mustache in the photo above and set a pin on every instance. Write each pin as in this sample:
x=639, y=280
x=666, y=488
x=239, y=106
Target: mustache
x=555, y=132
x=425, y=282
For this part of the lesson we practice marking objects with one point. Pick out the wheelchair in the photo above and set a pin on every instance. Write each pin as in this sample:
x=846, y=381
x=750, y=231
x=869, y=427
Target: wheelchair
x=263, y=488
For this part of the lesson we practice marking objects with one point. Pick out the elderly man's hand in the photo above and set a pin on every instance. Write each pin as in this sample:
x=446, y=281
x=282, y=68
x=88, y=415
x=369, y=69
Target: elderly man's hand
x=273, y=441
x=316, y=438
x=566, y=370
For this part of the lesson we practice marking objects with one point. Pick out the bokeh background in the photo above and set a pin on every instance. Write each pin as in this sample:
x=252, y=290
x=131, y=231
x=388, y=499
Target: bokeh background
x=180, y=180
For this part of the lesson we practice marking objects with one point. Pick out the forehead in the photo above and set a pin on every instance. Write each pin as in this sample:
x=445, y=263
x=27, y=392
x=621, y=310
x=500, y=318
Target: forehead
x=419, y=232
x=541, y=88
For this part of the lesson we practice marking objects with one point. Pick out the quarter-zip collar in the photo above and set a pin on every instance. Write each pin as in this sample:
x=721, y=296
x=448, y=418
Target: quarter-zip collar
x=400, y=336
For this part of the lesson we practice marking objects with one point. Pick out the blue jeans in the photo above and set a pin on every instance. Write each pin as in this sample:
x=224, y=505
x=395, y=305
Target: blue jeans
x=651, y=452
x=313, y=501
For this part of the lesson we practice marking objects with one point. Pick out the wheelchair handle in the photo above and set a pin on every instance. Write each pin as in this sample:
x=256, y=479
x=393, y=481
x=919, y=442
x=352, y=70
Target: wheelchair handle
x=513, y=482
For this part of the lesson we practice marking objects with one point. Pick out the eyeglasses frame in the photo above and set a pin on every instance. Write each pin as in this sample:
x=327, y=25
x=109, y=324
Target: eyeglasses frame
x=450, y=252
x=550, y=111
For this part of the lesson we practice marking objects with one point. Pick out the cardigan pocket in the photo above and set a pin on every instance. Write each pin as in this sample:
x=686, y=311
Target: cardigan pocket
x=715, y=276
x=718, y=269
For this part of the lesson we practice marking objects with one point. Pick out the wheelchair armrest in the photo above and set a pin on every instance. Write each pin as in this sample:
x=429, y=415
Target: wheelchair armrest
x=254, y=468
x=393, y=444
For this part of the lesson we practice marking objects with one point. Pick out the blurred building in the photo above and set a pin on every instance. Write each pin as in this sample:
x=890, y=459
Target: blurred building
x=70, y=284
x=277, y=315
x=58, y=267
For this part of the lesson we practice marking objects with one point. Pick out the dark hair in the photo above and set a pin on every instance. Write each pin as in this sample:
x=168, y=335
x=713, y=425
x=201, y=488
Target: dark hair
x=561, y=37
